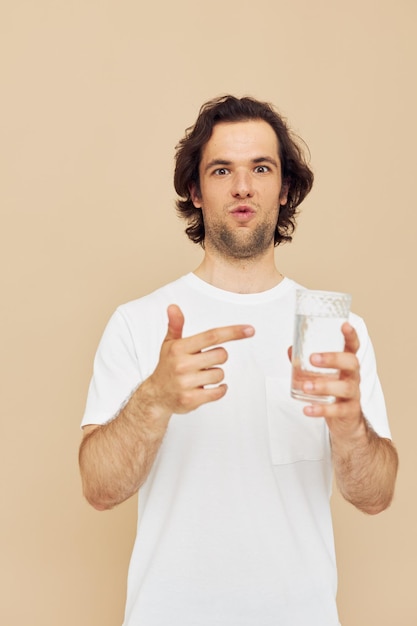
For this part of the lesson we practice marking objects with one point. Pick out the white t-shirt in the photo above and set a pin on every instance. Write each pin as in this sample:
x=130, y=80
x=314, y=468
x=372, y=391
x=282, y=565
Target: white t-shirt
x=234, y=522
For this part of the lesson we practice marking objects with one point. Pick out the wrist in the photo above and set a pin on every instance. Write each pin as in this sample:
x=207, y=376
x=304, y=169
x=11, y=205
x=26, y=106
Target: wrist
x=349, y=434
x=150, y=401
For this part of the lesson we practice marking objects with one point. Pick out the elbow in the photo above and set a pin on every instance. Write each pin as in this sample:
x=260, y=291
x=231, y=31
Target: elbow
x=374, y=510
x=377, y=506
x=95, y=496
x=385, y=495
x=98, y=503
x=92, y=484
x=98, y=506
x=98, y=494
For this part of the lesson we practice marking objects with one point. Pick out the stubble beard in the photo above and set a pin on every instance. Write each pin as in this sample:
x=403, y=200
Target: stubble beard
x=242, y=243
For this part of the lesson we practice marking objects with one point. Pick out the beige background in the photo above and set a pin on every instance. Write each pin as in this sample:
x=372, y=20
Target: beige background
x=95, y=94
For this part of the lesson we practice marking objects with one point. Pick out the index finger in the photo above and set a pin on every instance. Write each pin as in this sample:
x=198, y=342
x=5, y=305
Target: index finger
x=216, y=336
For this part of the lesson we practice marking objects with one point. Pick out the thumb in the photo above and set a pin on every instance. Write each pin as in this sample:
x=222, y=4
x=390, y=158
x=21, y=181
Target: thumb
x=175, y=322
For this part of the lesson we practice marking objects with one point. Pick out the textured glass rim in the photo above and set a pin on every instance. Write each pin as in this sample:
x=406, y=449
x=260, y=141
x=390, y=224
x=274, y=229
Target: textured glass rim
x=319, y=303
x=319, y=292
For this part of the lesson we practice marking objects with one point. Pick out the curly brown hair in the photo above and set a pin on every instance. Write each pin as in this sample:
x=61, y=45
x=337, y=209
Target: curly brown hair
x=296, y=174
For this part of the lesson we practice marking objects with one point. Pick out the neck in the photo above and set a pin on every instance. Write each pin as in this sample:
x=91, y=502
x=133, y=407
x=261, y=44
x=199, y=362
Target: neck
x=240, y=275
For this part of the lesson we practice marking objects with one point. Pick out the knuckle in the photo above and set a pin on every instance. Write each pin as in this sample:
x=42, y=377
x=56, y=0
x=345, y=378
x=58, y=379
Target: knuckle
x=357, y=367
x=350, y=389
x=212, y=336
x=175, y=349
x=179, y=369
x=184, y=401
x=218, y=375
x=355, y=361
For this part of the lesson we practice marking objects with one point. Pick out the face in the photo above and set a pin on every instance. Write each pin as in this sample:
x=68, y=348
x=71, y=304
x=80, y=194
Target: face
x=241, y=189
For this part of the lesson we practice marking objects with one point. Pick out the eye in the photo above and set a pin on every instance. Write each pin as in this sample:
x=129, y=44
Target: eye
x=262, y=169
x=221, y=171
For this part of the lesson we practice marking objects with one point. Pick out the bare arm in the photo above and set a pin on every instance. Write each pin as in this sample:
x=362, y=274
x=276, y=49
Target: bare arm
x=365, y=464
x=116, y=458
x=366, y=469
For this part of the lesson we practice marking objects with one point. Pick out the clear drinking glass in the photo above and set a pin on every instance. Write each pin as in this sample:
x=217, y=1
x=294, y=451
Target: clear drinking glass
x=319, y=316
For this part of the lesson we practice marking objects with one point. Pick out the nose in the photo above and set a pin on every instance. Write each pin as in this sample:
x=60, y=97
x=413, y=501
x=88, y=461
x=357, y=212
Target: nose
x=242, y=185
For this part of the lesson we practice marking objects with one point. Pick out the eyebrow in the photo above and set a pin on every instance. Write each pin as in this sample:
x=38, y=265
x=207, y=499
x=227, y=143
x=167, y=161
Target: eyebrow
x=266, y=160
x=225, y=163
x=220, y=162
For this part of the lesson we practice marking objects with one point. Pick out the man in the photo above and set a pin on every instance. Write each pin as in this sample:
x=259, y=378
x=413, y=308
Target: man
x=190, y=403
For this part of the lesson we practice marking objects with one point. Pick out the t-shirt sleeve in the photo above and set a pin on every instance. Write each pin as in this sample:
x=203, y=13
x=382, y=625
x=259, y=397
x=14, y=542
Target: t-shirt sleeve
x=116, y=373
x=372, y=397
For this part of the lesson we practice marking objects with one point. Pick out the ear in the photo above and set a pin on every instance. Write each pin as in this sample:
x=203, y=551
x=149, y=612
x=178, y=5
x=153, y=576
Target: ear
x=195, y=196
x=283, y=196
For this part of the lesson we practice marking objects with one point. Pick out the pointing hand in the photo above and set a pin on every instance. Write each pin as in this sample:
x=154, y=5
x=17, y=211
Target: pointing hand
x=188, y=364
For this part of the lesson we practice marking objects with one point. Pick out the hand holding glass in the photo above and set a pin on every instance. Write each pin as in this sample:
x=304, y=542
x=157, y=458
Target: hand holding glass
x=319, y=317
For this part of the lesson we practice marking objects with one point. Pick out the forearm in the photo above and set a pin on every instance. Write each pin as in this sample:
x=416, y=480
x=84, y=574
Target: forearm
x=116, y=458
x=365, y=468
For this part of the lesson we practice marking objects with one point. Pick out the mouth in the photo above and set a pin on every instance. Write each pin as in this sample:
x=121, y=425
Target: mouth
x=242, y=212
